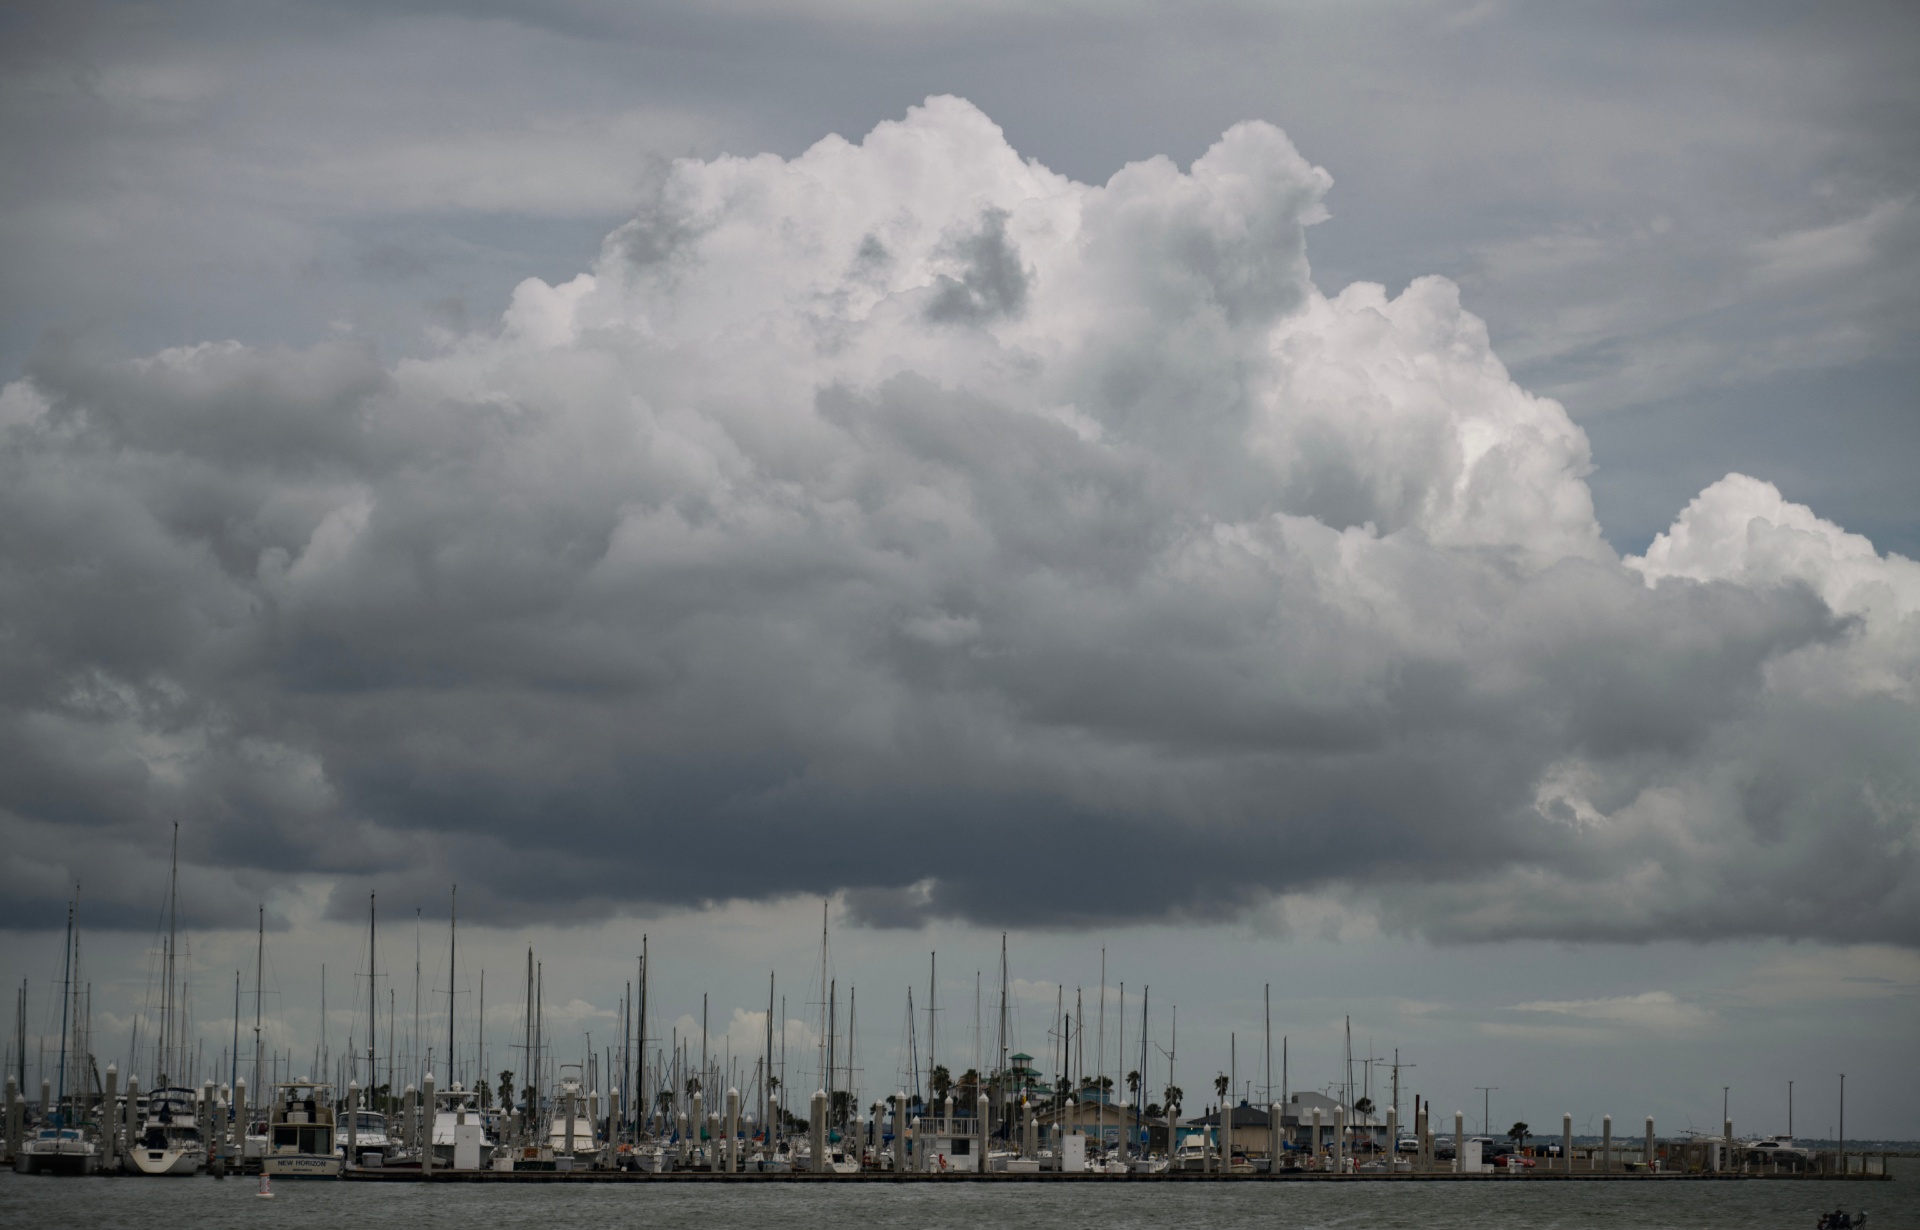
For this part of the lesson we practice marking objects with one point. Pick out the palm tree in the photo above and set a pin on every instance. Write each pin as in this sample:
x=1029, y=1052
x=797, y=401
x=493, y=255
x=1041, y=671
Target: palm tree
x=1518, y=1133
x=1220, y=1083
x=1133, y=1084
x=1174, y=1096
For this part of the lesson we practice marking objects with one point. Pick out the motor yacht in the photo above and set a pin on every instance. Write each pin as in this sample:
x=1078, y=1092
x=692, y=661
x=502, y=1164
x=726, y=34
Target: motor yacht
x=169, y=1142
x=301, y=1134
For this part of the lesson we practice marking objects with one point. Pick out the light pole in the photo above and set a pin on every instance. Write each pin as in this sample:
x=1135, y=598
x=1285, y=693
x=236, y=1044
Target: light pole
x=1789, y=1112
x=1486, y=1108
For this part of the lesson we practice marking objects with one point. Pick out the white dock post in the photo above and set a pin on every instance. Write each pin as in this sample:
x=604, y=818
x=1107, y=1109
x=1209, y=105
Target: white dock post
x=1648, y=1157
x=109, y=1120
x=15, y=1120
x=1606, y=1143
x=1339, y=1140
x=733, y=1131
x=240, y=1117
x=817, y=1133
x=1459, y=1141
x=981, y=1131
x=1726, y=1139
x=1276, y=1137
x=353, y=1124
x=900, y=1131
x=425, y=1120
x=1315, y=1154
x=132, y=1131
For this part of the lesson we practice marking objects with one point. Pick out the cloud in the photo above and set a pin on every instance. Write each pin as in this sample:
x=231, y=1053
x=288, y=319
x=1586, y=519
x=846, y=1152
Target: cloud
x=1603, y=1019
x=909, y=520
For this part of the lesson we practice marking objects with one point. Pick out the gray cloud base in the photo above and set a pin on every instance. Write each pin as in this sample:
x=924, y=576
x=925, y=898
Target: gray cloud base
x=906, y=519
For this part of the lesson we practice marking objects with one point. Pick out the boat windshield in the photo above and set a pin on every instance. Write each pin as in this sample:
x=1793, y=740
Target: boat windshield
x=59, y=1134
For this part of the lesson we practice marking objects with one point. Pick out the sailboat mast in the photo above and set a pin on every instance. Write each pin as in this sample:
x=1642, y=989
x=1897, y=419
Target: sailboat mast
x=826, y=1026
x=373, y=1019
x=526, y=1050
x=766, y=1083
x=259, y=968
x=453, y=939
x=1146, y=993
x=1004, y=1092
x=641, y=1090
x=66, y=991
x=167, y=1038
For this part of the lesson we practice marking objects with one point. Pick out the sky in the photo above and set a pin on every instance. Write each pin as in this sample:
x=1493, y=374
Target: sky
x=1408, y=505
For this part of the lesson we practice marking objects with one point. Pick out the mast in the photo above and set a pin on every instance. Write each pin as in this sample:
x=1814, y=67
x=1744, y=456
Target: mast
x=644, y=972
x=1100, y=1064
x=1145, y=993
x=1267, y=1074
x=167, y=1039
x=913, y=1048
x=1003, y=1033
x=259, y=968
x=453, y=939
x=526, y=1051
x=933, y=1024
x=66, y=990
x=766, y=1084
x=373, y=1019
x=233, y=1069
x=826, y=1024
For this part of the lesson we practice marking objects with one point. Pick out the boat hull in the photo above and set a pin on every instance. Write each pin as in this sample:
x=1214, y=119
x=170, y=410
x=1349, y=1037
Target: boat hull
x=29, y=1162
x=167, y=1162
x=300, y=1166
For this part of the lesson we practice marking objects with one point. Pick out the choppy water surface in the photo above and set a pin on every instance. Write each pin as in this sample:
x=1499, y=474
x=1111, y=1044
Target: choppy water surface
x=207, y=1204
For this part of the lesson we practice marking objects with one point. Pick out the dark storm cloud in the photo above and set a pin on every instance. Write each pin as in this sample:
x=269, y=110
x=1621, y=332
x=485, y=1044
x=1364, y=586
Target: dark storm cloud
x=734, y=569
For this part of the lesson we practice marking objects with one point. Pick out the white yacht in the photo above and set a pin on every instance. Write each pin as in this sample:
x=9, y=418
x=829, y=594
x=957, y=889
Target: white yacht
x=169, y=1142
x=570, y=1106
x=369, y=1136
x=58, y=1150
x=301, y=1140
x=459, y=1109
x=1194, y=1153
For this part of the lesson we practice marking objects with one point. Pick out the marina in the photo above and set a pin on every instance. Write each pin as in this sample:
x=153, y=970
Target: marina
x=648, y=1110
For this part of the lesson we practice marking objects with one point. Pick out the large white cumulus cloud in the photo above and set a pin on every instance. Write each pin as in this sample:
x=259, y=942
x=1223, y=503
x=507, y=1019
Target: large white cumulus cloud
x=905, y=518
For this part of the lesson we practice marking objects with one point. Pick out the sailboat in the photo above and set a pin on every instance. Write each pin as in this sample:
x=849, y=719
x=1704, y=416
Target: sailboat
x=64, y=1144
x=169, y=1142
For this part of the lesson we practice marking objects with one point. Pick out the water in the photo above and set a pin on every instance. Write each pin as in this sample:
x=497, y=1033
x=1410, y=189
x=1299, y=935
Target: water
x=206, y=1204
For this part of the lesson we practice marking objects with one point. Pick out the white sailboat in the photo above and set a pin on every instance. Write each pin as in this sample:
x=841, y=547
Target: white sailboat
x=170, y=1142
